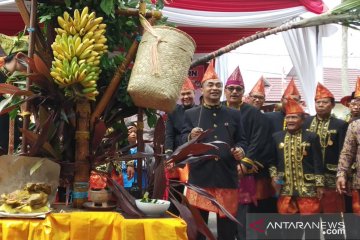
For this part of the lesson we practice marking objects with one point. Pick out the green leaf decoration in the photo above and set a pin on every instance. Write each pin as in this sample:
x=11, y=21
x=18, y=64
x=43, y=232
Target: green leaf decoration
x=107, y=6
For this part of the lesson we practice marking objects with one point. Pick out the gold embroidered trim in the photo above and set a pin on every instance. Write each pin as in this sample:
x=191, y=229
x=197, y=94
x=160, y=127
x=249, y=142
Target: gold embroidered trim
x=273, y=171
x=321, y=128
x=319, y=180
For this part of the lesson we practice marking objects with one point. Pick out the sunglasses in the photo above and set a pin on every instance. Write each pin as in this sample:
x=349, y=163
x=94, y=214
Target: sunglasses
x=238, y=89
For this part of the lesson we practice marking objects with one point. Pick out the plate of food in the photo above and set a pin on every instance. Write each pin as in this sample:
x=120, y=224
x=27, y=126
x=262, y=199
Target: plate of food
x=25, y=215
x=29, y=202
x=152, y=207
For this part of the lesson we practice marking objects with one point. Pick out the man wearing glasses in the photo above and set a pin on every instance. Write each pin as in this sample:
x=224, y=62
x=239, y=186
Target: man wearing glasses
x=11, y=62
x=257, y=94
x=258, y=134
x=217, y=177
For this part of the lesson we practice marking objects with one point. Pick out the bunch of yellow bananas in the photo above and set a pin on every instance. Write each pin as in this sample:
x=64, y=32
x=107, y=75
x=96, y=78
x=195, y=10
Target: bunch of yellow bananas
x=78, y=46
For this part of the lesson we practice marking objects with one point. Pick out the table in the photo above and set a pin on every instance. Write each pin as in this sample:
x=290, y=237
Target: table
x=92, y=226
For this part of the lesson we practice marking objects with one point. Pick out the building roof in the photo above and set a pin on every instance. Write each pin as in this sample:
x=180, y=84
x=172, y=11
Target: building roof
x=332, y=80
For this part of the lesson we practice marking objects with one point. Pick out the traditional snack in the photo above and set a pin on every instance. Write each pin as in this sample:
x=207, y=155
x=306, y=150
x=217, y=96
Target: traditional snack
x=33, y=198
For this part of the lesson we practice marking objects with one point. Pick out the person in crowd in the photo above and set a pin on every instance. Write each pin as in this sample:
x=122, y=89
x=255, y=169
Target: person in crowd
x=297, y=169
x=218, y=177
x=258, y=133
x=277, y=119
x=352, y=103
x=350, y=154
x=257, y=94
x=12, y=61
x=331, y=132
x=129, y=169
x=348, y=182
x=174, y=124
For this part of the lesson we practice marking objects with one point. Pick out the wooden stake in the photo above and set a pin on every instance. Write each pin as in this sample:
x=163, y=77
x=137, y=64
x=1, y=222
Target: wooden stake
x=26, y=120
x=82, y=164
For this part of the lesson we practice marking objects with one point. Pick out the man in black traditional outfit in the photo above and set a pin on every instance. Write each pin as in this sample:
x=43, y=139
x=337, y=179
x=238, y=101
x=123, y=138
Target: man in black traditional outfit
x=297, y=170
x=255, y=197
x=174, y=124
x=331, y=132
x=277, y=119
x=218, y=177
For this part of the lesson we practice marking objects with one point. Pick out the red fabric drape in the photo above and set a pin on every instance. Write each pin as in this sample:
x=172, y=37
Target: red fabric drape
x=11, y=23
x=210, y=39
x=315, y=6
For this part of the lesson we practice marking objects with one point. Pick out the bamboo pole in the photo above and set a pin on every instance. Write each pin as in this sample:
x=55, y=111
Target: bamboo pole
x=140, y=145
x=26, y=120
x=140, y=118
x=114, y=84
x=11, y=136
x=323, y=19
x=39, y=38
x=82, y=164
x=135, y=12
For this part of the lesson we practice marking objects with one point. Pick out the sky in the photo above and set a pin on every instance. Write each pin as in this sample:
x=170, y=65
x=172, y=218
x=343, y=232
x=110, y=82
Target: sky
x=274, y=59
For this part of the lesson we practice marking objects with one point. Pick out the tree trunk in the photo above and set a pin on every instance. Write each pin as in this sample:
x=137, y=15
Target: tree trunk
x=82, y=164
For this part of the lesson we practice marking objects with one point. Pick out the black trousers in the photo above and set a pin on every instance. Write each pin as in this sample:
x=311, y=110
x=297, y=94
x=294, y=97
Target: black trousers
x=226, y=229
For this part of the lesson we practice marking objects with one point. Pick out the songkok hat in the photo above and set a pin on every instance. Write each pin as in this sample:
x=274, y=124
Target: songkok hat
x=187, y=85
x=259, y=86
x=322, y=92
x=13, y=44
x=235, y=78
x=210, y=72
x=293, y=107
x=291, y=89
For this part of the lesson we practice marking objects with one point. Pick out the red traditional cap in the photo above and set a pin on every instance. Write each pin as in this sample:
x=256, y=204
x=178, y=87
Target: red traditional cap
x=210, y=72
x=187, y=85
x=322, y=92
x=293, y=107
x=357, y=88
x=346, y=100
x=235, y=78
x=259, y=86
x=291, y=89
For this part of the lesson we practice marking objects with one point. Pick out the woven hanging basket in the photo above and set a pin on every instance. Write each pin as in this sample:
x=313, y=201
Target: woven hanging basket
x=161, y=66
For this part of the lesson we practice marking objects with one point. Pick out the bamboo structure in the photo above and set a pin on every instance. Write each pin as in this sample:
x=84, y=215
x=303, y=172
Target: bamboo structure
x=135, y=12
x=40, y=42
x=82, y=164
x=31, y=30
x=116, y=80
x=11, y=136
x=323, y=19
x=114, y=84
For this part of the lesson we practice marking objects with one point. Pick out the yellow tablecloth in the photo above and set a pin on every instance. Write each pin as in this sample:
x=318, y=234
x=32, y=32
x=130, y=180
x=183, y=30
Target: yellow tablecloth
x=92, y=226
